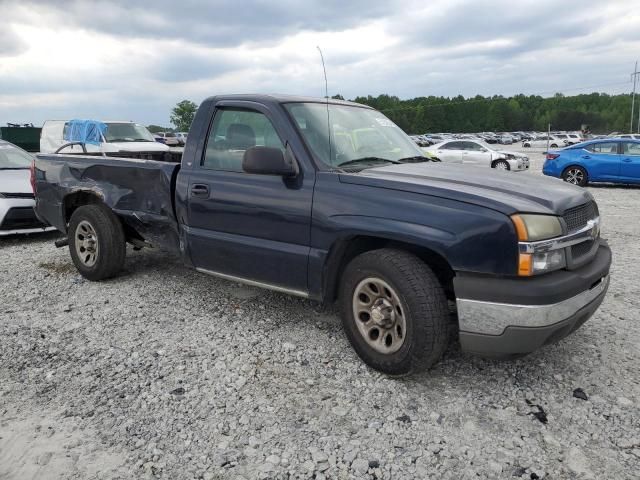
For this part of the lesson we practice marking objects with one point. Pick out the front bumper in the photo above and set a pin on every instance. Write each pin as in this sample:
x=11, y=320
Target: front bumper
x=18, y=216
x=505, y=317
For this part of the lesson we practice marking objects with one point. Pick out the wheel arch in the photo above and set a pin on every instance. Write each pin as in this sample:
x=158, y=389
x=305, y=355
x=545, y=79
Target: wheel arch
x=346, y=249
x=77, y=199
x=80, y=198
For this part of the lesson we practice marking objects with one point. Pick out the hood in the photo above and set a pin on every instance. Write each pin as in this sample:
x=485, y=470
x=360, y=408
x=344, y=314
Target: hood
x=506, y=192
x=135, y=147
x=15, y=181
x=509, y=154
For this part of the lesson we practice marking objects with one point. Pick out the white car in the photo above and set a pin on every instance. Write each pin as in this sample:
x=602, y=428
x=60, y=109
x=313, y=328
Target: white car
x=477, y=153
x=16, y=194
x=629, y=135
x=182, y=137
x=123, y=139
x=168, y=138
x=541, y=142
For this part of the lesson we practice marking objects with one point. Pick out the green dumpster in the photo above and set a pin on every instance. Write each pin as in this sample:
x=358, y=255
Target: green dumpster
x=27, y=138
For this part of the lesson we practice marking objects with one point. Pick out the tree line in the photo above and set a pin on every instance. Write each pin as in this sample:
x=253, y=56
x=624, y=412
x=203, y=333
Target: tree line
x=603, y=113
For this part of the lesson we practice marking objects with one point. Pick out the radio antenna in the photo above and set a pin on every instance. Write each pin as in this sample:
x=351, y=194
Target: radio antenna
x=326, y=96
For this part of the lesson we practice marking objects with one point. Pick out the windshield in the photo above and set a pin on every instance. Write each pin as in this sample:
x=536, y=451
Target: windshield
x=356, y=133
x=127, y=132
x=13, y=158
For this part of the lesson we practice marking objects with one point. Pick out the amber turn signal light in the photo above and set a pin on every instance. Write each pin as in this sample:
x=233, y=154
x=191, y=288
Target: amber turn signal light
x=521, y=228
x=524, y=264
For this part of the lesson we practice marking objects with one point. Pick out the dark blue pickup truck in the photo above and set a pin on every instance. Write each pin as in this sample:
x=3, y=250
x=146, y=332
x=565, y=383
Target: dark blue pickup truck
x=332, y=201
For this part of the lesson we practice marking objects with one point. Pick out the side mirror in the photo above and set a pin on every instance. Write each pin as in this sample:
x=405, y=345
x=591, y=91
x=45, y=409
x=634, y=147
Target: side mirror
x=269, y=161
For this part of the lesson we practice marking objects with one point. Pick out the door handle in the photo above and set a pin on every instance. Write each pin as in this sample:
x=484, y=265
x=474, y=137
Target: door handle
x=586, y=156
x=627, y=160
x=200, y=190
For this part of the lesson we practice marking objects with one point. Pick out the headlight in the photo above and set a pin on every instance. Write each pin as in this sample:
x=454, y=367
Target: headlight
x=533, y=228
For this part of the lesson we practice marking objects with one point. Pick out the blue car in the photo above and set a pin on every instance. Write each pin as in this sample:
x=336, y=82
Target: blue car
x=614, y=160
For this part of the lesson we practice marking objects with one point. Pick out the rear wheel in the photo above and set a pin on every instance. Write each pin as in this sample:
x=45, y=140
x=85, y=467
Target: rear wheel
x=96, y=242
x=394, y=311
x=501, y=165
x=526, y=145
x=575, y=175
x=554, y=145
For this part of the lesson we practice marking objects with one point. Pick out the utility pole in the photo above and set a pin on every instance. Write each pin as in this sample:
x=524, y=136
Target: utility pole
x=633, y=98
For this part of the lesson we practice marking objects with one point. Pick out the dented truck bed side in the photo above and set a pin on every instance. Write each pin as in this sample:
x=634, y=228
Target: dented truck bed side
x=140, y=192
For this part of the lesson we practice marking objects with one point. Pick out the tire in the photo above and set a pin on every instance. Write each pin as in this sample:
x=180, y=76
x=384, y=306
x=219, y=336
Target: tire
x=501, y=165
x=96, y=242
x=576, y=175
x=526, y=145
x=554, y=145
x=417, y=303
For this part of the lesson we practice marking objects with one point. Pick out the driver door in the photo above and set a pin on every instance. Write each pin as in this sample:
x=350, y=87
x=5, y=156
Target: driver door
x=246, y=226
x=475, y=154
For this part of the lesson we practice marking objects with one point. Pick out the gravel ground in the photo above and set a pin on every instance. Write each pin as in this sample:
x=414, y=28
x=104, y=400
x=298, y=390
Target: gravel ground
x=167, y=373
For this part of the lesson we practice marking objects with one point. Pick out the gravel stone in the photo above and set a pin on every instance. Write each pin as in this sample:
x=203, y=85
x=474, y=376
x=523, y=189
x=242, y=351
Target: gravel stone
x=360, y=465
x=165, y=373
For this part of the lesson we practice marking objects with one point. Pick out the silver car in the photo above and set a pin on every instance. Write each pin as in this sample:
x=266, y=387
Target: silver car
x=16, y=194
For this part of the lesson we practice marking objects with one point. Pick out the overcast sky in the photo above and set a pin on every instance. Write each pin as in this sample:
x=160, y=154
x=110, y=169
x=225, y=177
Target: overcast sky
x=120, y=60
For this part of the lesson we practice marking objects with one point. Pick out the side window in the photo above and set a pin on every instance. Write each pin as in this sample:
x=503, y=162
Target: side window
x=472, y=146
x=234, y=131
x=453, y=146
x=631, y=148
x=607, y=147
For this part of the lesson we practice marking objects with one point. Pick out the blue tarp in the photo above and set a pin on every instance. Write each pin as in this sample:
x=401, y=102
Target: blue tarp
x=85, y=131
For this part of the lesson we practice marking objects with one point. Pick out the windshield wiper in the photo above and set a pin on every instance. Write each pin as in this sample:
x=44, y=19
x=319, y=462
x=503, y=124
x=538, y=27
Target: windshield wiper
x=366, y=160
x=414, y=159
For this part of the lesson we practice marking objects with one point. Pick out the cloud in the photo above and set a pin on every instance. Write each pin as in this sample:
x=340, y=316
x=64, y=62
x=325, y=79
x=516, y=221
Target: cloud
x=10, y=43
x=122, y=59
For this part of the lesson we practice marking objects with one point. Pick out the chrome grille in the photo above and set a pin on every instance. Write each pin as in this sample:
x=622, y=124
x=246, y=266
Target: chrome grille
x=577, y=217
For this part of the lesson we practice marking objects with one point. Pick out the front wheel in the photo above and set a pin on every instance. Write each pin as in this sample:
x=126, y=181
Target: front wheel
x=501, y=165
x=96, y=242
x=394, y=311
x=576, y=176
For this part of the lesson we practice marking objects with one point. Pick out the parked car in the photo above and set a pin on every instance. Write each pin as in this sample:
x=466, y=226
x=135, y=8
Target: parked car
x=182, y=137
x=420, y=140
x=16, y=192
x=123, y=139
x=543, y=141
x=262, y=197
x=610, y=160
x=168, y=138
x=504, y=139
x=477, y=153
x=633, y=136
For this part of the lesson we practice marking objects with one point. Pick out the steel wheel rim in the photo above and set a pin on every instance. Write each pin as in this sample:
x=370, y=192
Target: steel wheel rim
x=575, y=176
x=379, y=315
x=86, y=243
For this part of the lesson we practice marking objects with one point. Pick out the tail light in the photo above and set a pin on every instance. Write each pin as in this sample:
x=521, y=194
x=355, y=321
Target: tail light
x=552, y=156
x=32, y=177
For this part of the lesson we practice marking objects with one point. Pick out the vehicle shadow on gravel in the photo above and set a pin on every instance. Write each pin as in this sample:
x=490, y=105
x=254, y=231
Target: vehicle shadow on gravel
x=616, y=186
x=30, y=238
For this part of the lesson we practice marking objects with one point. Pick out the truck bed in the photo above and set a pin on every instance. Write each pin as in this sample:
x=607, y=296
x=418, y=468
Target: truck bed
x=140, y=192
